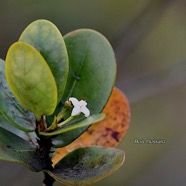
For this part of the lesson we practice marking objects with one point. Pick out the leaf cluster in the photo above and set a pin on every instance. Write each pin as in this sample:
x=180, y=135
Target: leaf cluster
x=42, y=70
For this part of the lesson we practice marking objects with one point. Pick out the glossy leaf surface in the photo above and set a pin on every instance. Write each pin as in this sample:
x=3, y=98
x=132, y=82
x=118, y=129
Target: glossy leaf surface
x=88, y=165
x=92, y=68
x=92, y=71
x=15, y=149
x=109, y=132
x=30, y=79
x=10, y=108
x=83, y=123
x=47, y=39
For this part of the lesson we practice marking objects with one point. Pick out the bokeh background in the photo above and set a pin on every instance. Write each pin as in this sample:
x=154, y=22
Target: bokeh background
x=149, y=39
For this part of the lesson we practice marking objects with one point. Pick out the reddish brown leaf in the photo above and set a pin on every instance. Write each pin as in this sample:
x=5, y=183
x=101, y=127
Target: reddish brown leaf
x=109, y=132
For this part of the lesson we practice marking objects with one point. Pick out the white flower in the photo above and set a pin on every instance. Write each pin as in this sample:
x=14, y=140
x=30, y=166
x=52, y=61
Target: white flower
x=79, y=106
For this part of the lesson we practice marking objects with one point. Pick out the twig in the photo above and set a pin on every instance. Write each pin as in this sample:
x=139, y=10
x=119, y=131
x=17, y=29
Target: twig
x=129, y=37
x=159, y=81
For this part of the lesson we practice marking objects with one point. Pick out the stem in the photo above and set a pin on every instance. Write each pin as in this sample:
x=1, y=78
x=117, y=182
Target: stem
x=61, y=115
x=48, y=181
x=44, y=148
x=66, y=121
x=41, y=125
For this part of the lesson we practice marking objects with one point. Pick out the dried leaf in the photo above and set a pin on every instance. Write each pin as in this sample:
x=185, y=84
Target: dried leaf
x=30, y=79
x=109, y=132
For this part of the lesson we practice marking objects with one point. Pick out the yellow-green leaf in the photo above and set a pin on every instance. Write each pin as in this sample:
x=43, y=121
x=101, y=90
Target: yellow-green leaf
x=10, y=109
x=45, y=37
x=30, y=79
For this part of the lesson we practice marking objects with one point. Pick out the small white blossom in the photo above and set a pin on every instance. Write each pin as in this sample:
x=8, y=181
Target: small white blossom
x=79, y=106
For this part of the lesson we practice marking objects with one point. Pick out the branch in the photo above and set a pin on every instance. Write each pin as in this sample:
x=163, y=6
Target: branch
x=48, y=181
x=129, y=37
x=45, y=146
x=159, y=81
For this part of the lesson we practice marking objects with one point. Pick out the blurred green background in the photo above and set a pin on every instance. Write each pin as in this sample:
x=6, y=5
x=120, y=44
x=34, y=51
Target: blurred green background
x=149, y=39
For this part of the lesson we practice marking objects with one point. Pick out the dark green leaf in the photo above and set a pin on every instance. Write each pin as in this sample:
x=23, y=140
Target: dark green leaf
x=30, y=79
x=46, y=38
x=67, y=137
x=27, y=136
x=88, y=165
x=10, y=109
x=92, y=70
x=4, y=124
x=83, y=123
x=15, y=149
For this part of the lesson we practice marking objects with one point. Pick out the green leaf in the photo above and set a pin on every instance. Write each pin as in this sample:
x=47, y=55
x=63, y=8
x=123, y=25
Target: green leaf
x=92, y=71
x=67, y=137
x=10, y=109
x=66, y=128
x=92, y=68
x=30, y=79
x=88, y=165
x=47, y=39
x=4, y=124
x=15, y=149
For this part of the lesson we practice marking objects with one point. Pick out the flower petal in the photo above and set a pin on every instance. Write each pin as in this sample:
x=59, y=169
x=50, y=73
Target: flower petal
x=75, y=111
x=82, y=103
x=85, y=111
x=74, y=101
